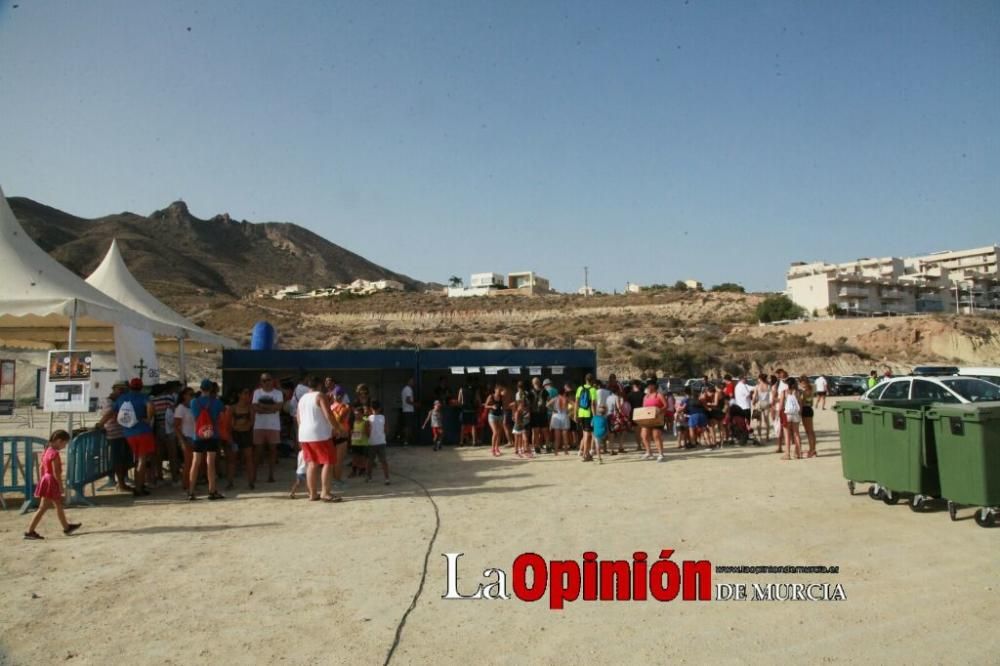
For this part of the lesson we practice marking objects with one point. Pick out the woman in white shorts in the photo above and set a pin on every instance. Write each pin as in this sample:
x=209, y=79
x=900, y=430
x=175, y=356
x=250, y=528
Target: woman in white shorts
x=560, y=421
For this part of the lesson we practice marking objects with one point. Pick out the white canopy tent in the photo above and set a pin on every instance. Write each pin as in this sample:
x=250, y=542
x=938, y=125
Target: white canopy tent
x=40, y=299
x=113, y=278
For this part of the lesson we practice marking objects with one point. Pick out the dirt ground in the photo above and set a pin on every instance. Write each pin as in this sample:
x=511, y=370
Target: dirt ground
x=259, y=578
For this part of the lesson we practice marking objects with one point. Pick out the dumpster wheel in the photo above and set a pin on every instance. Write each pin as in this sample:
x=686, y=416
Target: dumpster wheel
x=985, y=517
x=889, y=498
x=952, y=510
x=918, y=503
x=874, y=492
x=850, y=486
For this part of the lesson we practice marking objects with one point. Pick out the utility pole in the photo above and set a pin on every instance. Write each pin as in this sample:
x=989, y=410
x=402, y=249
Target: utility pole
x=586, y=281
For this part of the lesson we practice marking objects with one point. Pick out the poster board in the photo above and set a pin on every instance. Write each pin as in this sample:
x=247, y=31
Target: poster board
x=8, y=377
x=101, y=381
x=67, y=381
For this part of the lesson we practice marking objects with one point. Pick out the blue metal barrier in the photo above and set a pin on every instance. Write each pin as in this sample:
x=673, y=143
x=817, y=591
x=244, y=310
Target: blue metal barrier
x=17, y=468
x=88, y=460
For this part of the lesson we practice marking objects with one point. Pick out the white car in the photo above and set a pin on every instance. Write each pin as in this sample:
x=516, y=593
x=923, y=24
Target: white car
x=955, y=390
x=989, y=374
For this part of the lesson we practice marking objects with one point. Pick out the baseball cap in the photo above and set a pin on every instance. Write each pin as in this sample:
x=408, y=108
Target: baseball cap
x=546, y=382
x=135, y=384
x=206, y=385
x=339, y=391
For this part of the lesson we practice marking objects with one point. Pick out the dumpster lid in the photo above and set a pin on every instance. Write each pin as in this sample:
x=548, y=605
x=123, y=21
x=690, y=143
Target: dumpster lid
x=976, y=411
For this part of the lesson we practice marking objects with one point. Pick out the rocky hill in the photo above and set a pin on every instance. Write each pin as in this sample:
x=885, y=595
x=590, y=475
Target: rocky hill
x=174, y=253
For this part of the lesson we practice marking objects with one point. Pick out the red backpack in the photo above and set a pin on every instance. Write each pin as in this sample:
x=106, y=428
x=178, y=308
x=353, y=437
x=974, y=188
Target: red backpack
x=204, y=428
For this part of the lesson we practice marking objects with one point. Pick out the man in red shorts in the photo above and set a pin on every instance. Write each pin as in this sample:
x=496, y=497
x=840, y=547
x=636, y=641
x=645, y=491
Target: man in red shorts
x=135, y=414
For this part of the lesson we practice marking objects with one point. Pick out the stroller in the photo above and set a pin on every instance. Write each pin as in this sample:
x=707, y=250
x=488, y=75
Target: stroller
x=740, y=431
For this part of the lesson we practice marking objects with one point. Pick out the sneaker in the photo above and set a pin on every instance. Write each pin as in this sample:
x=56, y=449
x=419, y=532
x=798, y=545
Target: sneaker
x=387, y=482
x=660, y=458
x=72, y=527
x=33, y=536
x=648, y=456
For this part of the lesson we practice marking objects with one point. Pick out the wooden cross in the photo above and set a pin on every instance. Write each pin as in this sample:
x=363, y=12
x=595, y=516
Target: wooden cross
x=141, y=368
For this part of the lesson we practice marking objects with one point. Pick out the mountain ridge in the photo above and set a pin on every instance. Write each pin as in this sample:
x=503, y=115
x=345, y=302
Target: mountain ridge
x=214, y=256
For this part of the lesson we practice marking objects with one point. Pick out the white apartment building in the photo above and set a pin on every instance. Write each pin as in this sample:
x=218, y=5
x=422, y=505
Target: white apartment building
x=964, y=281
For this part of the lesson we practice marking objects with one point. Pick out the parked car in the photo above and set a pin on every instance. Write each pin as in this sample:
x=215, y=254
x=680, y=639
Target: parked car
x=847, y=385
x=989, y=374
x=934, y=371
x=955, y=390
x=671, y=385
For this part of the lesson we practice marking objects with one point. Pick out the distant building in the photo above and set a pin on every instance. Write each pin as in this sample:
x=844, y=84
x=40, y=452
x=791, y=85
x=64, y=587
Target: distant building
x=358, y=287
x=632, y=288
x=291, y=291
x=528, y=283
x=963, y=280
x=487, y=280
x=525, y=283
x=586, y=291
x=693, y=285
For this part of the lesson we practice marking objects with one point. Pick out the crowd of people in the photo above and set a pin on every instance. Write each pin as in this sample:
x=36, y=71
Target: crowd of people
x=174, y=436
x=596, y=417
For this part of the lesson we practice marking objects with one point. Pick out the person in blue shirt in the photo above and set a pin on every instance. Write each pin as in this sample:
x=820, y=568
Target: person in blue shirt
x=206, y=410
x=137, y=427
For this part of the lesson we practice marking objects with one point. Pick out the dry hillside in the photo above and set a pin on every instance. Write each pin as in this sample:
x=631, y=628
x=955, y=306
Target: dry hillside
x=677, y=333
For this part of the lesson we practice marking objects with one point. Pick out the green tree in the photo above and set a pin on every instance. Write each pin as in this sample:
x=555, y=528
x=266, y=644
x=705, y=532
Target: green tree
x=731, y=287
x=834, y=310
x=680, y=286
x=777, y=308
x=455, y=281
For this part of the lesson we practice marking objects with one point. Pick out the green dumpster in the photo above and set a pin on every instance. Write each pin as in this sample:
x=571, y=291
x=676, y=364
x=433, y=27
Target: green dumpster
x=968, y=448
x=857, y=451
x=905, y=454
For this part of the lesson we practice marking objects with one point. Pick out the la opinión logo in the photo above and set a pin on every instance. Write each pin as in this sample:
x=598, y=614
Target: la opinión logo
x=589, y=579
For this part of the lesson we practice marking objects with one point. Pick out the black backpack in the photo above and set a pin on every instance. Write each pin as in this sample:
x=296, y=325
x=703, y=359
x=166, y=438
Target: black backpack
x=468, y=398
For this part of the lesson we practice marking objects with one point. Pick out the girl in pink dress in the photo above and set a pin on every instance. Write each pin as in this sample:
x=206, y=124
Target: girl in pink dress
x=49, y=488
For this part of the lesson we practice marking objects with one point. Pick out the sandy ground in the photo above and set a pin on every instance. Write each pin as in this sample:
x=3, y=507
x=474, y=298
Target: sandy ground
x=259, y=578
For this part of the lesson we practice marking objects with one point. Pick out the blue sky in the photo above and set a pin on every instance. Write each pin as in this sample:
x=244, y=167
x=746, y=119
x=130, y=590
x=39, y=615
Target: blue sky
x=650, y=141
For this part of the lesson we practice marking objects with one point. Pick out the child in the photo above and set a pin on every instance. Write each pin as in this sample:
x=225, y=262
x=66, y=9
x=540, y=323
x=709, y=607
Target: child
x=436, y=418
x=359, y=442
x=681, y=424
x=600, y=425
x=376, y=440
x=522, y=423
x=300, y=474
x=49, y=488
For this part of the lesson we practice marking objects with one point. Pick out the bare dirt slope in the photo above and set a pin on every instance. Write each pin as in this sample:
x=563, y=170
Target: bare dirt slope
x=676, y=333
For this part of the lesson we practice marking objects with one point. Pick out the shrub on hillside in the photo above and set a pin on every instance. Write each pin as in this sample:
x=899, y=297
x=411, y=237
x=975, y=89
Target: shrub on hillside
x=777, y=308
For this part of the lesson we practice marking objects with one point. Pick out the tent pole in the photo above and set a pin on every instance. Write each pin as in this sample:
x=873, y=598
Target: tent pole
x=182, y=361
x=72, y=346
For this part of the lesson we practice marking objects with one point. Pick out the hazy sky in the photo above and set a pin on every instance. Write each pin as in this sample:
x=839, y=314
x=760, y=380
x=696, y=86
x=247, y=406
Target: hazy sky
x=651, y=141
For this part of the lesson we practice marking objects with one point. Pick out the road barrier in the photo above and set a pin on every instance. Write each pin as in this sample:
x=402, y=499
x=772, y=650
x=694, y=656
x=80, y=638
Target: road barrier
x=18, y=467
x=88, y=460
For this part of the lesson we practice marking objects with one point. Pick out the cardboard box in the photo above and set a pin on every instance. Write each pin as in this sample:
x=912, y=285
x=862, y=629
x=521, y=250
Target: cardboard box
x=651, y=417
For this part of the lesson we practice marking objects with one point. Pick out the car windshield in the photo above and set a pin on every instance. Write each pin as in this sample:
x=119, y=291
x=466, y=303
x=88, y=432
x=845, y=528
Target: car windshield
x=972, y=389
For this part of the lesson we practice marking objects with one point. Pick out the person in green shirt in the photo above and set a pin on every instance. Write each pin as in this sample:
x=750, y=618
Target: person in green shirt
x=586, y=403
x=872, y=379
